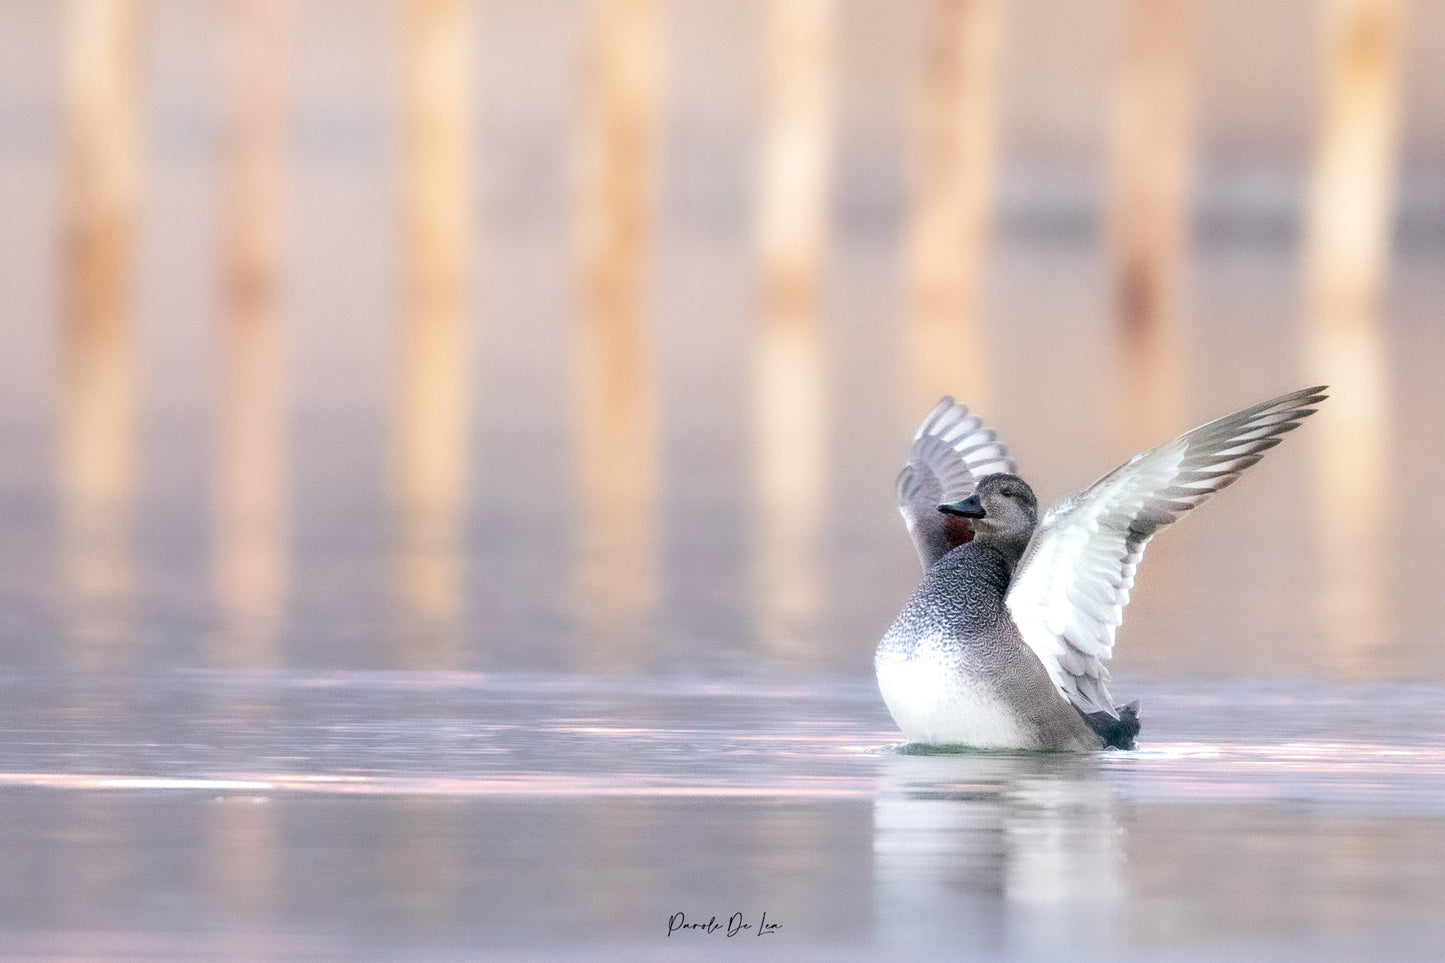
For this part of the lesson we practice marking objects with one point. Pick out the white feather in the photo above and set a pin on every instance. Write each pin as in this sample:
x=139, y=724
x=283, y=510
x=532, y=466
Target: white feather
x=1069, y=591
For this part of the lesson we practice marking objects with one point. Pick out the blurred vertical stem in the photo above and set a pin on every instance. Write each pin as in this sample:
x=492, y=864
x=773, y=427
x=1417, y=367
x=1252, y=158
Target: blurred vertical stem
x=1346, y=256
x=251, y=478
x=434, y=391
x=98, y=379
x=1149, y=211
x=796, y=170
x=437, y=214
x=951, y=204
x=791, y=427
x=1347, y=234
x=616, y=486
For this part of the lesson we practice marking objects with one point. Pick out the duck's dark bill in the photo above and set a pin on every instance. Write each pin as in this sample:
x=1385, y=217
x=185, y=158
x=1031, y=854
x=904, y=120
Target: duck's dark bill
x=970, y=507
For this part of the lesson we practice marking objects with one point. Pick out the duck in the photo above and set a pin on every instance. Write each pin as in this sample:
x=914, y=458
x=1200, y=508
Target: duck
x=1005, y=642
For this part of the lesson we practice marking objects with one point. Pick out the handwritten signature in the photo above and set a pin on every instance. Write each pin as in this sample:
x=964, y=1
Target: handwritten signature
x=736, y=925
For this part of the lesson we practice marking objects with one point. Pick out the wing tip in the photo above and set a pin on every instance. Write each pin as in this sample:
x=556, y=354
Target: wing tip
x=936, y=414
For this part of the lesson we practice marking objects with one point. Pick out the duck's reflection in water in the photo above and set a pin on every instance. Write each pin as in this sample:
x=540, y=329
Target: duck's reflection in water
x=1012, y=852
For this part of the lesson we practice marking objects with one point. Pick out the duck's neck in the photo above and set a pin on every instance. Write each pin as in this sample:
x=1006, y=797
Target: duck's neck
x=1011, y=547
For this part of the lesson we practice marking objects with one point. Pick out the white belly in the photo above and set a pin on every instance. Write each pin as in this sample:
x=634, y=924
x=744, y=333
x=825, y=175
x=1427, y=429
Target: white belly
x=937, y=705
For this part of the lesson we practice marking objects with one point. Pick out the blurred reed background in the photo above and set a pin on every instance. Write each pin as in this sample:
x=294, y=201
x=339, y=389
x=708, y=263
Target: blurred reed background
x=589, y=335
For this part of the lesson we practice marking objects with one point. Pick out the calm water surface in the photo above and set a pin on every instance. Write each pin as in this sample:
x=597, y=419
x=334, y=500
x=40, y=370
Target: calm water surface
x=390, y=815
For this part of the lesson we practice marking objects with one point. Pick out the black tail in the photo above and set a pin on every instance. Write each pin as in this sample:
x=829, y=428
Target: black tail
x=1117, y=733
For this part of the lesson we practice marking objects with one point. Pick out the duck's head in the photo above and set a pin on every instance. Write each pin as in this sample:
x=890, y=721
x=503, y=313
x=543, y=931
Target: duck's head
x=1003, y=508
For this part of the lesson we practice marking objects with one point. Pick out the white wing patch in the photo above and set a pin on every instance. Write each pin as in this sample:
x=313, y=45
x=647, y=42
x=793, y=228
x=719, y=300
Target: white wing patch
x=1069, y=590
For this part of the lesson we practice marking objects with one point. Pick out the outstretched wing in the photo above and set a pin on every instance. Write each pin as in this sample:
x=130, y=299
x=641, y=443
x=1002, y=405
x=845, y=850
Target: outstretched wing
x=952, y=450
x=1070, y=588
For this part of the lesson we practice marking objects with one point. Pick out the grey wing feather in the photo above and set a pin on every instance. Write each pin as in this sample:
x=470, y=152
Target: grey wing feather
x=951, y=451
x=1070, y=588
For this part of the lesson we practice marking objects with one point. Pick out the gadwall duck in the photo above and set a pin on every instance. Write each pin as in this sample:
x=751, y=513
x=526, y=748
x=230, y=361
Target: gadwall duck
x=1003, y=644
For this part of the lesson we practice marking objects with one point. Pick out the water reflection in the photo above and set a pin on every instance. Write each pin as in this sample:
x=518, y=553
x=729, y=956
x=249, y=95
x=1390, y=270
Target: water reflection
x=955, y=836
x=790, y=426
x=106, y=835
x=616, y=480
x=243, y=853
x=252, y=469
x=422, y=861
x=433, y=394
x=1347, y=243
x=479, y=810
x=98, y=379
x=950, y=209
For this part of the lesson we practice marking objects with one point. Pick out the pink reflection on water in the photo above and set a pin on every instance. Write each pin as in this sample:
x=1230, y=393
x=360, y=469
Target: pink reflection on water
x=511, y=786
